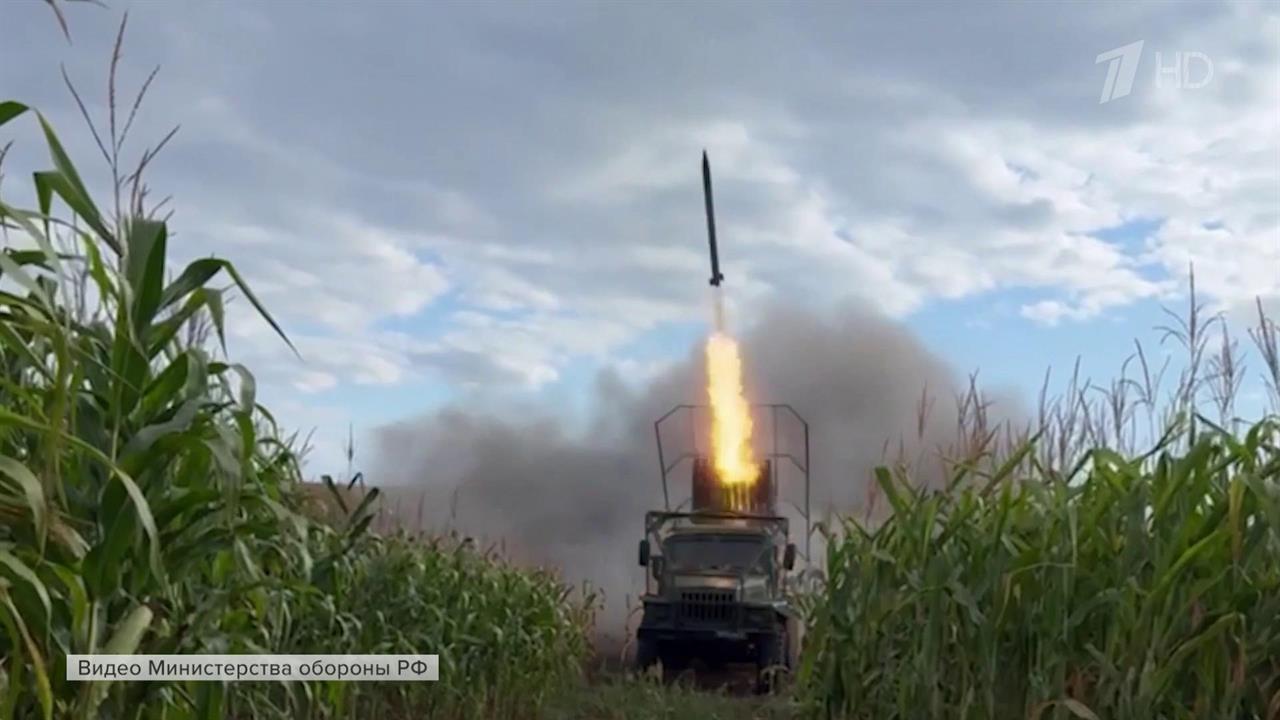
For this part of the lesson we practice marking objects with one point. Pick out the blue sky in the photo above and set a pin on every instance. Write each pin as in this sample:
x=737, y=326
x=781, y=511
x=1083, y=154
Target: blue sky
x=490, y=204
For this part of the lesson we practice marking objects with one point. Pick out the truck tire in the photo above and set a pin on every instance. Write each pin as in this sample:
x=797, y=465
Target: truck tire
x=674, y=664
x=795, y=639
x=646, y=654
x=772, y=662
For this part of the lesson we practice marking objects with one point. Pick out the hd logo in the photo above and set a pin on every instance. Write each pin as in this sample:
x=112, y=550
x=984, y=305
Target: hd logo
x=1122, y=68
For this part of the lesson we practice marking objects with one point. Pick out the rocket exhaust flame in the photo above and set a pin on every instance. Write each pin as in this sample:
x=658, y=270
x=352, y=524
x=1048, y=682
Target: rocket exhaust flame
x=731, y=454
x=730, y=419
x=730, y=414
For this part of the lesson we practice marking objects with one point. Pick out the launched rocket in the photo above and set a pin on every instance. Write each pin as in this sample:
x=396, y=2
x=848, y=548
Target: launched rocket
x=716, y=277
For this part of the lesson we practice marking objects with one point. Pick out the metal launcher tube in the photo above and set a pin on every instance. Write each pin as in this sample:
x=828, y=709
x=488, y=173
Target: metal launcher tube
x=712, y=495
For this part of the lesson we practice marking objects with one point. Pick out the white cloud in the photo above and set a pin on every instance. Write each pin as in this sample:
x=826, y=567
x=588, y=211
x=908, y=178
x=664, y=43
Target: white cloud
x=550, y=210
x=493, y=287
x=312, y=381
x=1049, y=312
x=637, y=374
x=660, y=159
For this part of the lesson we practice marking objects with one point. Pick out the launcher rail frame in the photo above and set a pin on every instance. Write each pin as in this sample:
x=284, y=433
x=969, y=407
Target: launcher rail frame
x=775, y=456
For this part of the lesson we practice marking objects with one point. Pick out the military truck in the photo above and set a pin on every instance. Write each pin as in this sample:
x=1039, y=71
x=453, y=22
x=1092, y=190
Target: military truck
x=718, y=571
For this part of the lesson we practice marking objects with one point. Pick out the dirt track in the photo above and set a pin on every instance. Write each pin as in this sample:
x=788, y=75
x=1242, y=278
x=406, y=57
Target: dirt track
x=612, y=660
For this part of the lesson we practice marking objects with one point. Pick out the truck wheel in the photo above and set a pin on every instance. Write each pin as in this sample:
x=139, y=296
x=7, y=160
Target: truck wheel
x=771, y=660
x=673, y=666
x=795, y=639
x=646, y=654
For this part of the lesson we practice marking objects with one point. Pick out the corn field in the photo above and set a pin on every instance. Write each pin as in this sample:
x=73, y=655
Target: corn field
x=149, y=504
x=1056, y=577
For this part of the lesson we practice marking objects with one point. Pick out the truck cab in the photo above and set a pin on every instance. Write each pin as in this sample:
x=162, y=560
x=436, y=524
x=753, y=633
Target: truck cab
x=716, y=593
x=717, y=575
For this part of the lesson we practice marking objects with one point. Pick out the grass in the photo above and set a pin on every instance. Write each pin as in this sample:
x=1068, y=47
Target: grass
x=623, y=698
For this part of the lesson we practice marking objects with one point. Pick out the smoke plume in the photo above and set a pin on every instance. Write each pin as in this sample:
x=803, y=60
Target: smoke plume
x=577, y=501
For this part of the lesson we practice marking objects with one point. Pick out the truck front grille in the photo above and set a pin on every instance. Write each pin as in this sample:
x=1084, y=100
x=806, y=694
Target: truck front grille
x=706, y=605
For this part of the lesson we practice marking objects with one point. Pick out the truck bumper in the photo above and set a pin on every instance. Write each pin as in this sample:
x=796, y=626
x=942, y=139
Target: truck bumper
x=701, y=634
x=707, y=644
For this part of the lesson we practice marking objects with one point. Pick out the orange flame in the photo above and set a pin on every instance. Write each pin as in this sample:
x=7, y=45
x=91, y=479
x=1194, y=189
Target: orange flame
x=730, y=415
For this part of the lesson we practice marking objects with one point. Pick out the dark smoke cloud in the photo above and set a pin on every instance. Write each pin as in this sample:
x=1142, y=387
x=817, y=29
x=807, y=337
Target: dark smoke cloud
x=577, y=501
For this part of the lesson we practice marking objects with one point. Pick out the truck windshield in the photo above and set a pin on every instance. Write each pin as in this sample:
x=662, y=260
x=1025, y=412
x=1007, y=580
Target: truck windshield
x=713, y=552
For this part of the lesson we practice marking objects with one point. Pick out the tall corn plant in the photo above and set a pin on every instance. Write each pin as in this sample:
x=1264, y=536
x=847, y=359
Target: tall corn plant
x=148, y=504
x=130, y=475
x=518, y=638
x=1144, y=587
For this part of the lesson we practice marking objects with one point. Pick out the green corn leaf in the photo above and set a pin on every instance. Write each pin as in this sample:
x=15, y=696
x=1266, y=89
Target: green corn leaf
x=248, y=388
x=1079, y=709
x=67, y=184
x=363, y=509
x=193, y=277
x=44, y=194
x=145, y=246
x=10, y=110
x=198, y=272
x=44, y=691
x=135, y=495
x=40, y=236
x=890, y=489
x=148, y=436
x=79, y=607
x=124, y=641
x=163, y=389
x=32, y=491
x=24, y=573
x=218, y=315
x=262, y=310
x=106, y=287
x=333, y=491
x=13, y=270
